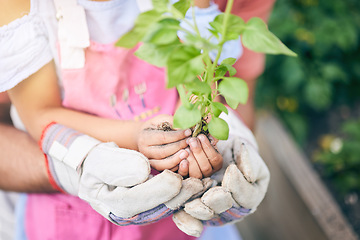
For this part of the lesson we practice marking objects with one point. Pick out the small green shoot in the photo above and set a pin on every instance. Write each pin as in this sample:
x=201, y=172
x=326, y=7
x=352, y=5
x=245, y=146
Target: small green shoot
x=198, y=79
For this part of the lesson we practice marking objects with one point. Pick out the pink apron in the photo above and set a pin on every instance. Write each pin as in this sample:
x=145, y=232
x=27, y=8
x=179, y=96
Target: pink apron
x=113, y=84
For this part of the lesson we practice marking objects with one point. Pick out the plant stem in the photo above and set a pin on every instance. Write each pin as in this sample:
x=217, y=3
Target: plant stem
x=222, y=41
x=193, y=17
x=210, y=67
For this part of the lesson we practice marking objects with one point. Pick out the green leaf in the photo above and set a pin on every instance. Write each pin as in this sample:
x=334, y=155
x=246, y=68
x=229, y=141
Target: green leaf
x=186, y=118
x=182, y=6
x=214, y=33
x=216, y=28
x=163, y=32
x=217, y=108
x=333, y=72
x=226, y=66
x=223, y=68
x=231, y=61
x=198, y=86
x=160, y=5
x=183, y=65
x=220, y=71
x=230, y=69
x=258, y=38
x=218, y=128
x=142, y=24
x=185, y=100
x=235, y=91
x=156, y=54
x=234, y=29
x=318, y=93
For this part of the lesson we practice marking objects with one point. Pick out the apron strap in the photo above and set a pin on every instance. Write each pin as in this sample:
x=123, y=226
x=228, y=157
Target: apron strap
x=73, y=33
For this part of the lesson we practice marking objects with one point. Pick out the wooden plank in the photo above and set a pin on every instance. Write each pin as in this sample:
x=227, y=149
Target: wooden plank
x=304, y=179
x=282, y=215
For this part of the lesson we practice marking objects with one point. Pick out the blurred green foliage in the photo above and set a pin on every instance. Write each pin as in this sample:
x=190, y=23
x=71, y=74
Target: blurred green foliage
x=308, y=92
x=326, y=36
x=339, y=158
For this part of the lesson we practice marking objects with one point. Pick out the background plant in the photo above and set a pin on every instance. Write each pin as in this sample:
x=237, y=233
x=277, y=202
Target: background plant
x=326, y=74
x=316, y=93
x=339, y=157
x=198, y=78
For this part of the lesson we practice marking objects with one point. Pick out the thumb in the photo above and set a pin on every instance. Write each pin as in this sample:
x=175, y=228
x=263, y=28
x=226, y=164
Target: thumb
x=246, y=194
x=116, y=166
x=251, y=165
x=188, y=224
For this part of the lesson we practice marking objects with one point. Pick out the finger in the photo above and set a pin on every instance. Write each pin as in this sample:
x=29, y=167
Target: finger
x=214, y=157
x=244, y=193
x=169, y=162
x=218, y=199
x=199, y=210
x=213, y=140
x=188, y=224
x=166, y=150
x=184, y=168
x=127, y=202
x=200, y=156
x=174, y=169
x=194, y=169
x=160, y=137
x=190, y=187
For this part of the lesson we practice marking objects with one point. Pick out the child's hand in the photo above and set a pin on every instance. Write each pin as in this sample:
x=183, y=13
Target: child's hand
x=164, y=148
x=204, y=159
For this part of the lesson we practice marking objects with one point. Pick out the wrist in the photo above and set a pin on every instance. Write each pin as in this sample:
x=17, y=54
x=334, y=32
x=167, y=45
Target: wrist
x=65, y=150
x=139, y=127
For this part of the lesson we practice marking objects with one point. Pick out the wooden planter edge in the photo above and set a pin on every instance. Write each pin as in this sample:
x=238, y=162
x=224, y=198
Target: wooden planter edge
x=305, y=179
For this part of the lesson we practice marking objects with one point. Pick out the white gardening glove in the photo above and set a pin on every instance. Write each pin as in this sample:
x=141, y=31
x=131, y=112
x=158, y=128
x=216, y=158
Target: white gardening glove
x=204, y=16
x=114, y=181
x=243, y=184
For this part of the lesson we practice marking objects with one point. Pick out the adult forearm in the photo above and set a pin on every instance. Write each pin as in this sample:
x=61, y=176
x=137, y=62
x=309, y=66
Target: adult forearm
x=22, y=165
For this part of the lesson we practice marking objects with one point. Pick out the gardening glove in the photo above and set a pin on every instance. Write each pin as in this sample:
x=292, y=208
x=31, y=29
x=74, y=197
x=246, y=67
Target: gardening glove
x=114, y=181
x=190, y=187
x=243, y=184
x=204, y=16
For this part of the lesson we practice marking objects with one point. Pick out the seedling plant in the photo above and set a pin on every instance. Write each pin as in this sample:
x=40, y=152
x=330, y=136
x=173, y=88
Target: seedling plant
x=198, y=78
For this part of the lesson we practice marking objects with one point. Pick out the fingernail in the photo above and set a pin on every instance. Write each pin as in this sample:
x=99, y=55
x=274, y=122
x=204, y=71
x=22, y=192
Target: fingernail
x=183, y=155
x=201, y=137
x=188, y=132
x=193, y=142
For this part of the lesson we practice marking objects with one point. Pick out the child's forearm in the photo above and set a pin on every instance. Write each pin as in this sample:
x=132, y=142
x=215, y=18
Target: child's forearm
x=38, y=102
x=124, y=133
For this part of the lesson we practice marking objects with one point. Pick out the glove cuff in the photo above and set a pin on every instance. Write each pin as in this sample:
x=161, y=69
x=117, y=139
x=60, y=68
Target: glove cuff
x=65, y=150
x=52, y=181
x=232, y=215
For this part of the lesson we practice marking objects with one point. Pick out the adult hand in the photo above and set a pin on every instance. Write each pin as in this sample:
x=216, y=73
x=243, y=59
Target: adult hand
x=116, y=182
x=243, y=184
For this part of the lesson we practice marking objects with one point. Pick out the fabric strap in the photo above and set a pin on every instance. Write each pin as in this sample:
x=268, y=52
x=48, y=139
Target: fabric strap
x=65, y=150
x=73, y=33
